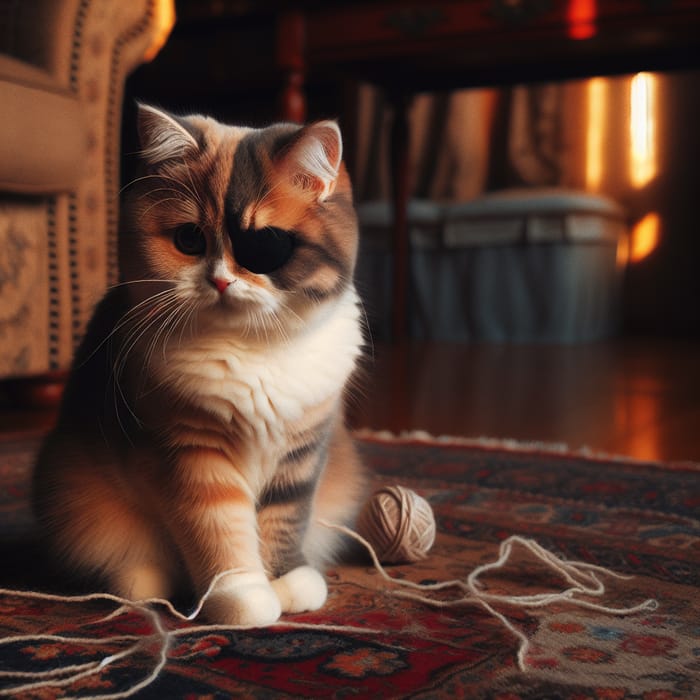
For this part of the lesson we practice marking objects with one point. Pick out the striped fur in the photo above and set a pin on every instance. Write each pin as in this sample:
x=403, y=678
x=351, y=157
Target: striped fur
x=202, y=427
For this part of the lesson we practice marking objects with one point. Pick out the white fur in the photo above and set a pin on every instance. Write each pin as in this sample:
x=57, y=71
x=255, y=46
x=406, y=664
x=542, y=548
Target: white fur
x=269, y=386
x=244, y=599
x=301, y=589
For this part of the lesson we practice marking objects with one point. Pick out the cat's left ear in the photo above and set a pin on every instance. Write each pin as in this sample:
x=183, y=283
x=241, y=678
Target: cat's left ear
x=313, y=161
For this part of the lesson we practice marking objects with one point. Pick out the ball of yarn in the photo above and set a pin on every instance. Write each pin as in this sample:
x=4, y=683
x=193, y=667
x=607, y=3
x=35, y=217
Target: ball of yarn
x=399, y=524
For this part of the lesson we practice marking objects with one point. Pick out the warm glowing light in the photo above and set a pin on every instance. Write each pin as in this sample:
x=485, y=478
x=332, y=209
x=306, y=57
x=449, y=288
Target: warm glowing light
x=622, y=256
x=595, y=132
x=642, y=129
x=637, y=417
x=645, y=237
x=164, y=19
x=581, y=16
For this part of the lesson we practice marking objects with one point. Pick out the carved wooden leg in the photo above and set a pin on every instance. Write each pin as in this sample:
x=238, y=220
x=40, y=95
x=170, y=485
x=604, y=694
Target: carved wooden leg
x=291, y=41
x=401, y=248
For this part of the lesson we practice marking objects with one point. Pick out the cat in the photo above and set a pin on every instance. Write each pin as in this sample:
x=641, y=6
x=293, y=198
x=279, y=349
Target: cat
x=201, y=428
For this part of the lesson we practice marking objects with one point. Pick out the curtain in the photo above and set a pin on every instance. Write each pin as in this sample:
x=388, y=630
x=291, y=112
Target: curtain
x=467, y=142
x=631, y=138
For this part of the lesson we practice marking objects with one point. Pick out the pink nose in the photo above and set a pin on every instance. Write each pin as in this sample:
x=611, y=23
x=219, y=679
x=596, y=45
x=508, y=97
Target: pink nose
x=219, y=283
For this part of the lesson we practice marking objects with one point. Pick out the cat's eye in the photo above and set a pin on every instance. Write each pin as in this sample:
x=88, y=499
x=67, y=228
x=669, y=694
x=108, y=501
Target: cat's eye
x=189, y=239
x=262, y=250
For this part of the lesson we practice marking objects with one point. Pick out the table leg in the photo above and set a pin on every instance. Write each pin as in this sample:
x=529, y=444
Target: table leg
x=400, y=243
x=291, y=47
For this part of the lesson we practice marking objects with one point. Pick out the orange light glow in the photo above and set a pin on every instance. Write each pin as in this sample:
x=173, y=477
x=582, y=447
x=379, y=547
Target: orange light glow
x=645, y=237
x=622, y=256
x=595, y=132
x=164, y=20
x=637, y=417
x=643, y=165
x=581, y=16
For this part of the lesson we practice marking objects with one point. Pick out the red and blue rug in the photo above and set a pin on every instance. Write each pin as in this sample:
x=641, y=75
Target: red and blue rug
x=637, y=519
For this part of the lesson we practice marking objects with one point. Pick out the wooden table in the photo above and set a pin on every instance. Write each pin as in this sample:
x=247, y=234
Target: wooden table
x=407, y=47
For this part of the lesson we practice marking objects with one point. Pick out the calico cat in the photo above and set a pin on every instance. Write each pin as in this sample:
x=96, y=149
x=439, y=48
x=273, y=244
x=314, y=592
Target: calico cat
x=202, y=428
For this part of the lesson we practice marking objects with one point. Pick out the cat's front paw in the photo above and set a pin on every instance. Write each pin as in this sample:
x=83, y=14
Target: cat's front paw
x=248, y=600
x=301, y=589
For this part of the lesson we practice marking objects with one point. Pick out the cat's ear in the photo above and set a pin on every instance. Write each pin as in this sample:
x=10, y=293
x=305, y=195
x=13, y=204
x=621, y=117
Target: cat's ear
x=313, y=160
x=163, y=136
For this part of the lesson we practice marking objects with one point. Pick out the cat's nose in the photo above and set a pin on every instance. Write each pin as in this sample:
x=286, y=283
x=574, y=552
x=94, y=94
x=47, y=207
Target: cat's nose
x=219, y=283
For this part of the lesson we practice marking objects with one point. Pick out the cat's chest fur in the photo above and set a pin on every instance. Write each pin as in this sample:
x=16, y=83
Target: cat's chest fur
x=268, y=389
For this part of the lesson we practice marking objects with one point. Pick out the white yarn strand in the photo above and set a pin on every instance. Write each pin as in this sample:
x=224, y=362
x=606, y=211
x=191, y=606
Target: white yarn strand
x=580, y=576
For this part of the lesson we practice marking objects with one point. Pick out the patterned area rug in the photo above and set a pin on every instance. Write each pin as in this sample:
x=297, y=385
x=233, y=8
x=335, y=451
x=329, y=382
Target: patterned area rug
x=638, y=519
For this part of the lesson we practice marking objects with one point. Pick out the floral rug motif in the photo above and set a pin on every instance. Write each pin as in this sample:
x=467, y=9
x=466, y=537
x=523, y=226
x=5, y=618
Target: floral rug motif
x=637, y=519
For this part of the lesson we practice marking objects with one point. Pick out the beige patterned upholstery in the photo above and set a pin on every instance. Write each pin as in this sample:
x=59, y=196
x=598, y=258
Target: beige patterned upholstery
x=63, y=64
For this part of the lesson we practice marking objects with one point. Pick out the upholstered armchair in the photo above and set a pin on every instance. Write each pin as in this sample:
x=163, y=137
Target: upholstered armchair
x=63, y=65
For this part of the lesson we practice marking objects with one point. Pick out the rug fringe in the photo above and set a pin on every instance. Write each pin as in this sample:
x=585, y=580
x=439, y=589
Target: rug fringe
x=514, y=445
x=462, y=441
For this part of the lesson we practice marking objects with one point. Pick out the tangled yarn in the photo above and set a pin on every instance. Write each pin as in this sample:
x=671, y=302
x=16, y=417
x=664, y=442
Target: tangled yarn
x=399, y=524
x=395, y=522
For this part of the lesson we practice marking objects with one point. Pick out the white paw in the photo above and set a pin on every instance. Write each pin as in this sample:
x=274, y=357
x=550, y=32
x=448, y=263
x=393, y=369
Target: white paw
x=247, y=602
x=301, y=589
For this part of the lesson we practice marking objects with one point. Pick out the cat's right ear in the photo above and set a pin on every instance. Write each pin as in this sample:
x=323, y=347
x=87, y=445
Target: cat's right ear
x=163, y=136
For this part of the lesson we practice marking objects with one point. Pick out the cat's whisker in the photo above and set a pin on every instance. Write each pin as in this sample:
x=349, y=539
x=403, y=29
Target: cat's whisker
x=190, y=312
x=266, y=200
x=170, y=326
x=117, y=412
x=152, y=280
x=168, y=306
x=118, y=417
x=269, y=201
x=263, y=190
x=153, y=339
x=122, y=359
x=135, y=335
x=136, y=180
x=194, y=190
x=366, y=326
x=176, y=317
x=144, y=308
x=167, y=178
x=248, y=326
x=269, y=321
x=158, y=203
x=289, y=310
x=179, y=320
x=151, y=193
x=264, y=330
x=279, y=325
x=140, y=308
x=256, y=325
x=117, y=391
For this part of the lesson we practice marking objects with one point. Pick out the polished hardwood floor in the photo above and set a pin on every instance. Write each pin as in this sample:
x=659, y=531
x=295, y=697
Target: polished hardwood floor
x=629, y=397
x=637, y=398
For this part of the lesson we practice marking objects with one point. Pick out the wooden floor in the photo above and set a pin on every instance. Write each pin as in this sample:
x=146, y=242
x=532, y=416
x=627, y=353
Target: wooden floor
x=635, y=398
